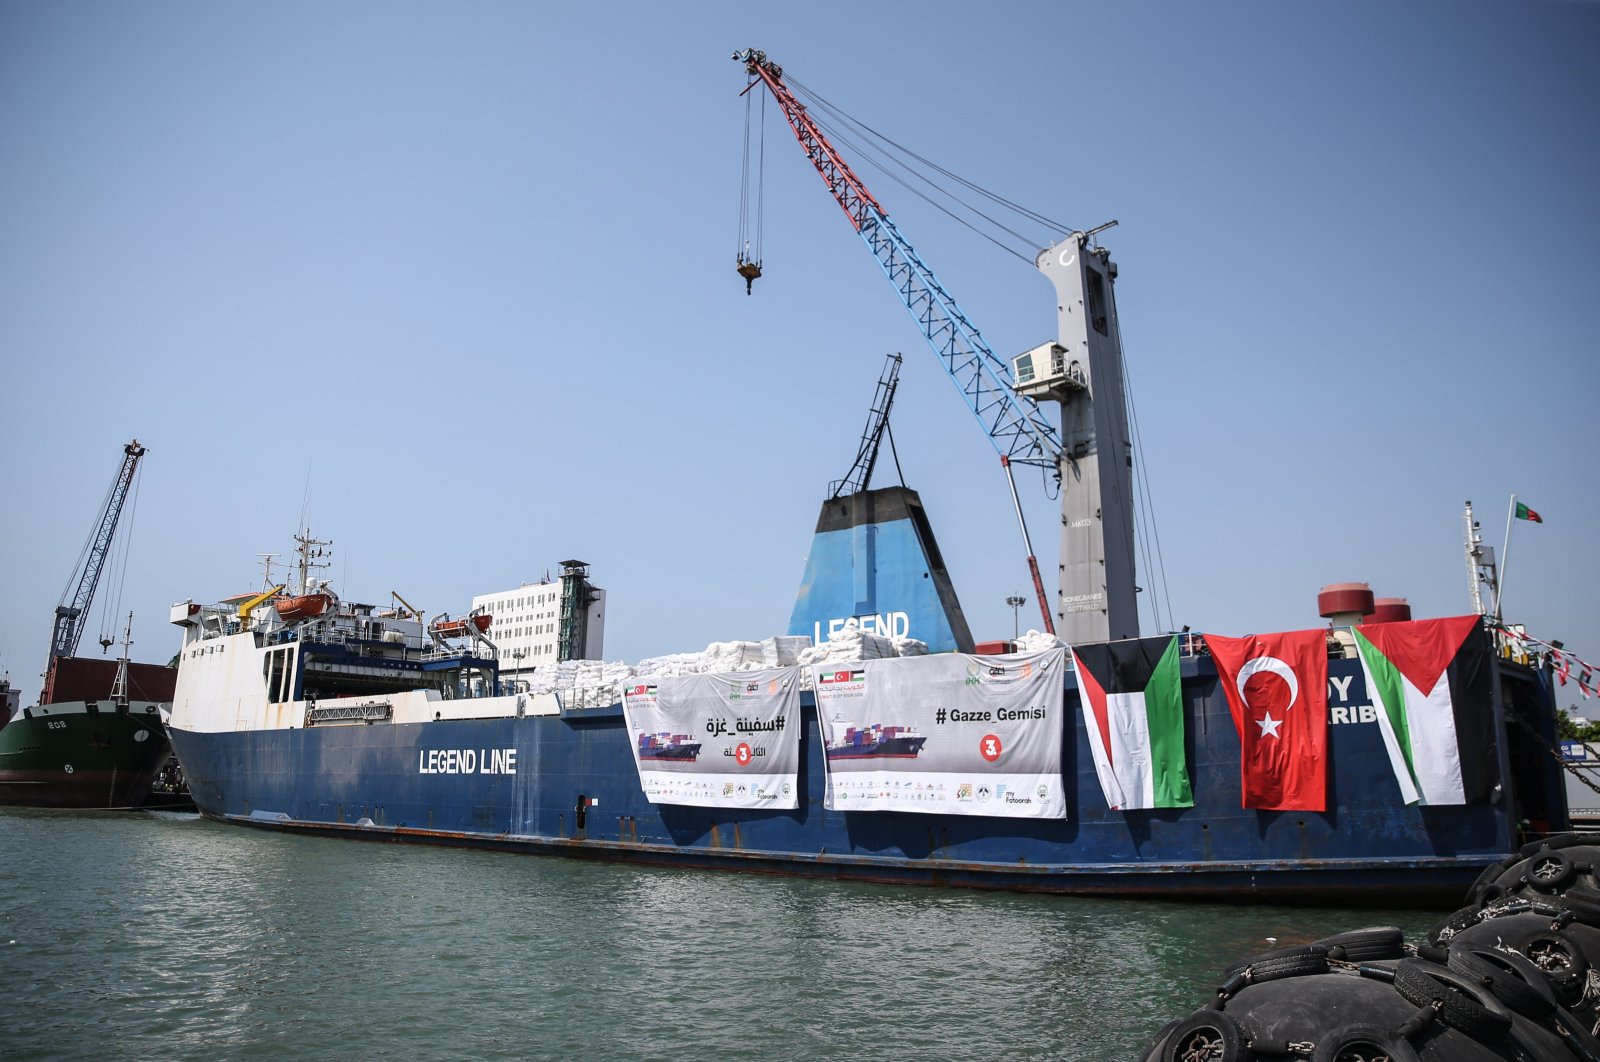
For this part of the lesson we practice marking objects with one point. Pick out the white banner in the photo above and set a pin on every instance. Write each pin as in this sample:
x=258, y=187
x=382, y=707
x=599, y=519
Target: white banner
x=946, y=734
x=718, y=741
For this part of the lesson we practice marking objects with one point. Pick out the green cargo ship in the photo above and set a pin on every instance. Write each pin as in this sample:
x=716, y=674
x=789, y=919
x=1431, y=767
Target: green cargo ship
x=88, y=747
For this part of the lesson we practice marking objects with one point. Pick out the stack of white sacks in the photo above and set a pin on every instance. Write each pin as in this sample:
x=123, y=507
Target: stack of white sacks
x=1036, y=642
x=596, y=683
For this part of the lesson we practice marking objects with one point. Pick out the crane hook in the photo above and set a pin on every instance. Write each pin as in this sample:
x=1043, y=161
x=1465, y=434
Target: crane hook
x=749, y=270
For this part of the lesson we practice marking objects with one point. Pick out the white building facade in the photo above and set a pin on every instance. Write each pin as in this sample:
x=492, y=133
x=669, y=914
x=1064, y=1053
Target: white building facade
x=526, y=628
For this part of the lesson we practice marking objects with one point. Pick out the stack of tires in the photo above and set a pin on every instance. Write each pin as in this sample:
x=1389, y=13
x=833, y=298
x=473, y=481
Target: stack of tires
x=1513, y=974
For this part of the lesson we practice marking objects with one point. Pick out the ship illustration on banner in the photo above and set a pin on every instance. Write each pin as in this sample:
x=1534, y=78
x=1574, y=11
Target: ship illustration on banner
x=668, y=747
x=878, y=742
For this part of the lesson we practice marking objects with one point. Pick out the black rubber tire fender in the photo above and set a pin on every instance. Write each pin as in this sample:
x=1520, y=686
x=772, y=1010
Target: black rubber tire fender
x=1451, y=924
x=1365, y=945
x=1508, y=982
x=1361, y=1043
x=1580, y=1040
x=1550, y=871
x=1584, y=903
x=1490, y=893
x=1282, y=962
x=1159, y=1039
x=1562, y=961
x=1422, y=984
x=1557, y=842
x=1207, y=1034
x=1490, y=873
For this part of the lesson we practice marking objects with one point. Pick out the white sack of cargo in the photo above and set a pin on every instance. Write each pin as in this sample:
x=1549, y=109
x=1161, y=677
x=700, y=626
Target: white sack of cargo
x=723, y=657
x=784, y=650
x=1036, y=642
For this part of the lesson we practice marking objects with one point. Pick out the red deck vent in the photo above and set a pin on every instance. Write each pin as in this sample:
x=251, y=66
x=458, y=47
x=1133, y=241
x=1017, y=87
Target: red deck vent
x=1345, y=602
x=994, y=648
x=1390, y=610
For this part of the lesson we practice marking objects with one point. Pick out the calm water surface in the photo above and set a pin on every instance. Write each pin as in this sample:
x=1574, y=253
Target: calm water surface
x=169, y=937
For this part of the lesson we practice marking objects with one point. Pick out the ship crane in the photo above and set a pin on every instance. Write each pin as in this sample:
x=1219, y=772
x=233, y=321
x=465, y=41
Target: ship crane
x=860, y=475
x=73, y=608
x=1096, y=588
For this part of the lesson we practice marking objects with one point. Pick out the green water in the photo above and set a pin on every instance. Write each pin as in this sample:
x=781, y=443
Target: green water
x=169, y=937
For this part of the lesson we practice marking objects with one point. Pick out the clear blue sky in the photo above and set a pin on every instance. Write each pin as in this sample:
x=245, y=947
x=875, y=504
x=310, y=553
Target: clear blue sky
x=457, y=282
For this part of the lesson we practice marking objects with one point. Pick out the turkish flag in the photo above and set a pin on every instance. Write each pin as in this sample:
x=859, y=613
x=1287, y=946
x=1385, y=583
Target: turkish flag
x=1277, y=687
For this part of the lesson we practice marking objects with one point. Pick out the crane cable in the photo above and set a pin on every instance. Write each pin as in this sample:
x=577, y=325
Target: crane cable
x=1149, y=535
x=749, y=250
x=888, y=156
x=848, y=130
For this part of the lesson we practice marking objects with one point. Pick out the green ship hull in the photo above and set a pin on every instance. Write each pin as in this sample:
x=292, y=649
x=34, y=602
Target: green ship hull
x=85, y=755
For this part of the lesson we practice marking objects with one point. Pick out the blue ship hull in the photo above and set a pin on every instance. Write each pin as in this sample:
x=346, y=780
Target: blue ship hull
x=575, y=791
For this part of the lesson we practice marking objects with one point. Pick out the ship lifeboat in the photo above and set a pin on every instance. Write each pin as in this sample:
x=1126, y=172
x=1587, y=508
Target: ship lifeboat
x=304, y=607
x=457, y=628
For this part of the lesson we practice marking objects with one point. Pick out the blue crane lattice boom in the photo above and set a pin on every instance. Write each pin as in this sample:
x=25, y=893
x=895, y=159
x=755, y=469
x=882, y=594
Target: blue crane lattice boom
x=70, y=617
x=1017, y=428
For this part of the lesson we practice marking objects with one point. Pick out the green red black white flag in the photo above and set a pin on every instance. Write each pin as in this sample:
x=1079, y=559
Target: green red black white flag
x=1525, y=513
x=1132, y=700
x=1430, y=681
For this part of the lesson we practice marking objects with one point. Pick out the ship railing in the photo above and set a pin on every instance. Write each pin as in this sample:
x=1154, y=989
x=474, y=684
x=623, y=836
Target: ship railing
x=366, y=712
x=580, y=697
x=431, y=653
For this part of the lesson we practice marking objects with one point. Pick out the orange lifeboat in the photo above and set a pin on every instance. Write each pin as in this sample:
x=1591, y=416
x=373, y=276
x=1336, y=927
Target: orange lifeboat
x=457, y=628
x=304, y=607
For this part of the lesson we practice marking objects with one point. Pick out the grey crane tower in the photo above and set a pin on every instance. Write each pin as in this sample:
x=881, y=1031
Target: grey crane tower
x=1083, y=371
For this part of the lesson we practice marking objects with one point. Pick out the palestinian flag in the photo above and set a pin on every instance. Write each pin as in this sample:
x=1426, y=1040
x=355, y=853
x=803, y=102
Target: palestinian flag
x=1430, y=681
x=1133, y=712
x=1525, y=513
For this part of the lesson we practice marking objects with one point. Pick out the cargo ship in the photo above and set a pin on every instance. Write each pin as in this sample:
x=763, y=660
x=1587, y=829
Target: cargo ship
x=90, y=746
x=358, y=724
x=878, y=742
x=668, y=747
x=1125, y=766
x=97, y=739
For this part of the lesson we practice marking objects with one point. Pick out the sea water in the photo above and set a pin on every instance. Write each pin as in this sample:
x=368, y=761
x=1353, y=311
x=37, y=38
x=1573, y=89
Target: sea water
x=162, y=936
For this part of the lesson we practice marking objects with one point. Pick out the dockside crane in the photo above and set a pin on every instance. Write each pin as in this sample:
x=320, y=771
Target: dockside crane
x=1097, y=591
x=73, y=608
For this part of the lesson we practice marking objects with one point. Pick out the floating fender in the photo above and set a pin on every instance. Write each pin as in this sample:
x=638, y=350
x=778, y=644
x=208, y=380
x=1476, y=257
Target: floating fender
x=1509, y=977
x=1206, y=1034
x=1559, y=841
x=1365, y=945
x=1512, y=974
x=1292, y=1016
x=1358, y=1043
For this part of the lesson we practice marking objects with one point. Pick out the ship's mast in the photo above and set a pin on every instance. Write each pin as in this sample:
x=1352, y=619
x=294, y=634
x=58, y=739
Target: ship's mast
x=119, y=688
x=311, y=553
x=1480, y=561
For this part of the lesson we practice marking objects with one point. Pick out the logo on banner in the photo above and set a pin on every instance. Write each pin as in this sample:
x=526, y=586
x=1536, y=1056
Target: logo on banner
x=989, y=747
x=979, y=674
x=741, y=755
x=841, y=677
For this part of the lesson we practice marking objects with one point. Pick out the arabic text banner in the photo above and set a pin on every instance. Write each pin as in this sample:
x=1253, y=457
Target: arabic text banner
x=723, y=741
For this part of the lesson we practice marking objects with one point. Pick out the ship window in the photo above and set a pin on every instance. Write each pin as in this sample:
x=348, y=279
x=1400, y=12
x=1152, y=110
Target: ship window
x=276, y=672
x=1096, y=295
